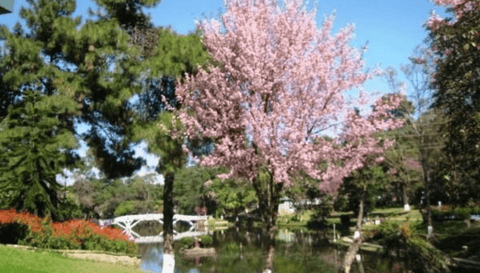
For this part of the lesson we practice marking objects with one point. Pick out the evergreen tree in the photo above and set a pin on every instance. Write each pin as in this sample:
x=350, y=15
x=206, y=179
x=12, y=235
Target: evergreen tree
x=58, y=57
x=70, y=63
x=154, y=120
x=32, y=137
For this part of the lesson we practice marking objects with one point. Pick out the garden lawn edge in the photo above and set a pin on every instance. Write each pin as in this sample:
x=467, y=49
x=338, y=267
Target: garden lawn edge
x=100, y=256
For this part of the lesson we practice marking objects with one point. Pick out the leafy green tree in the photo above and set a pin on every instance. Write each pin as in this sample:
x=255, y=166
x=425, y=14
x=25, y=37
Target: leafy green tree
x=230, y=196
x=425, y=138
x=189, y=191
x=125, y=208
x=85, y=192
x=154, y=120
x=363, y=187
x=456, y=84
x=32, y=137
x=405, y=171
x=108, y=199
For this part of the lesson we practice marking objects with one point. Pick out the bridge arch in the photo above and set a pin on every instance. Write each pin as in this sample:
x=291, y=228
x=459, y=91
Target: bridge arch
x=127, y=222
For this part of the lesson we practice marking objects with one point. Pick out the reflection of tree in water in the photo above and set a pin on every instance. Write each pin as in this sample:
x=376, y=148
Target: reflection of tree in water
x=245, y=250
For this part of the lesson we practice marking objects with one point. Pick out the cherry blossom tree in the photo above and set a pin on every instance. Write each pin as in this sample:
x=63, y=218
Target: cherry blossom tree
x=280, y=84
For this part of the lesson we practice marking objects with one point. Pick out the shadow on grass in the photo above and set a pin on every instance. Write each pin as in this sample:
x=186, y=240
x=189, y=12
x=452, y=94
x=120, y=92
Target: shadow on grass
x=452, y=237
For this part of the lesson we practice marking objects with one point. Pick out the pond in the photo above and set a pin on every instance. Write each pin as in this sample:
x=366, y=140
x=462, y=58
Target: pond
x=243, y=249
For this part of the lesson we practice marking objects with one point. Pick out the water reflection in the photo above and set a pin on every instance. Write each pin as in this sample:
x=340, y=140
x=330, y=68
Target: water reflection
x=243, y=250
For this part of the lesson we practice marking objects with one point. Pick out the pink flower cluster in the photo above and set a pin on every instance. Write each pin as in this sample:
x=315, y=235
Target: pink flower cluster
x=286, y=83
x=460, y=7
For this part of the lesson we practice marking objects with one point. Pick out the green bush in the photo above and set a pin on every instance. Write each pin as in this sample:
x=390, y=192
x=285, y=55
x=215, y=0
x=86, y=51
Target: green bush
x=37, y=239
x=63, y=243
x=419, y=254
x=389, y=228
x=231, y=248
x=476, y=210
x=125, y=208
x=47, y=240
x=101, y=242
x=69, y=210
x=463, y=213
x=186, y=242
x=206, y=240
x=11, y=233
x=91, y=242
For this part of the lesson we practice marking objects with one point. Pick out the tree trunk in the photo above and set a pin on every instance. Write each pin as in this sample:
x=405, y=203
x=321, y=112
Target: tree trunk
x=426, y=179
x=270, y=229
x=406, y=206
x=168, y=255
x=405, y=195
x=268, y=193
x=357, y=242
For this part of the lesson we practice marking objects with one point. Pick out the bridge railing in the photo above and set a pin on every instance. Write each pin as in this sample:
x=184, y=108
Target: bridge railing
x=151, y=217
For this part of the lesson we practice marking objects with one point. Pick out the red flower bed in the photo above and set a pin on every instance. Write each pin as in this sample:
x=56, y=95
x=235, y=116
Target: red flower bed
x=10, y=216
x=75, y=229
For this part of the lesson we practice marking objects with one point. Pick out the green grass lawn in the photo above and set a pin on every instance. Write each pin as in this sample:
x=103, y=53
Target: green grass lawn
x=17, y=260
x=295, y=220
x=218, y=222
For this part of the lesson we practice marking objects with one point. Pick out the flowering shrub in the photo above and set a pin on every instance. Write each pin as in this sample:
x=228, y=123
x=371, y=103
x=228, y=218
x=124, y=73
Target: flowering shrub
x=445, y=208
x=74, y=234
x=405, y=229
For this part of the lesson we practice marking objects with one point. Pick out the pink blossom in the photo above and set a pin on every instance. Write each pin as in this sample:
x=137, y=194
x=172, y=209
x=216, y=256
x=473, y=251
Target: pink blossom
x=289, y=80
x=393, y=171
x=418, y=60
x=460, y=7
x=379, y=159
x=413, y=164
x=435, y=21
x=208, y=183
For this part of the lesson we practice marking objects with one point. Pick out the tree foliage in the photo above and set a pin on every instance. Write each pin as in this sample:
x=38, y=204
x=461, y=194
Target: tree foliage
x=108, y=199
x=456, y=82
x=280, y=84
x=257, y=82
x=32, y=137
x=60, y=57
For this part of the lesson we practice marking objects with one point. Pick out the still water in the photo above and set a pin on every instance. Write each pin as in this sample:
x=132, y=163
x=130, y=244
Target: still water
x=243, y=250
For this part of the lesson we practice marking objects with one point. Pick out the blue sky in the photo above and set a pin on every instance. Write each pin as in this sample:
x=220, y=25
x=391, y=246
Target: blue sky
x=393, y=28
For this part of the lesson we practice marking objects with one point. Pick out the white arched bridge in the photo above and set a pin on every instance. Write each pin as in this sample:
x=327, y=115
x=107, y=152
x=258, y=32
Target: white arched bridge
x=127, y=222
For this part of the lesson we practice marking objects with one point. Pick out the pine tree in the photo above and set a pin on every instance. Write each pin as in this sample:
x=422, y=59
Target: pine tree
x=154, y=120
x=69, y=63
x=33, y=138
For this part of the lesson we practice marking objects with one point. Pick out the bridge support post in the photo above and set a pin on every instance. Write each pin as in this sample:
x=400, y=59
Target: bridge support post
x=127, y=225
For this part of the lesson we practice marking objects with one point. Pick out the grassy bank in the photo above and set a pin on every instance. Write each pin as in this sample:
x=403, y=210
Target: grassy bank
x=17, y=260
x=393, y=214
